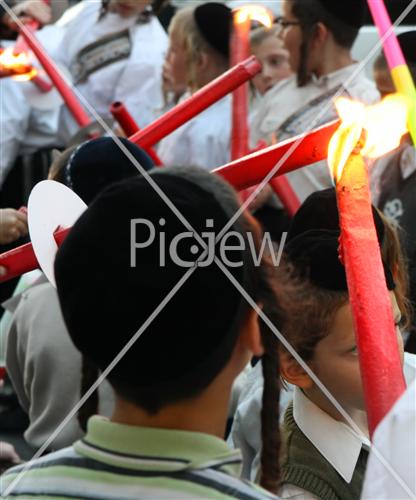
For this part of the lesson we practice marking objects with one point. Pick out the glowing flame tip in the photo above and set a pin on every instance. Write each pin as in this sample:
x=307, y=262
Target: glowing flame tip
x=254, y=13
x=384, y=124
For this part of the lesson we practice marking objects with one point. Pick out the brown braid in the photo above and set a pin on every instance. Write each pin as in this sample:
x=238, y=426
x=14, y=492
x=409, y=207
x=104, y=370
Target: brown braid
x=89, y=375
x=270, y=413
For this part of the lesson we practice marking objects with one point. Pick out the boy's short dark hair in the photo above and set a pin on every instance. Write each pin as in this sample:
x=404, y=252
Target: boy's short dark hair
x=342, y=18
x=105, y=300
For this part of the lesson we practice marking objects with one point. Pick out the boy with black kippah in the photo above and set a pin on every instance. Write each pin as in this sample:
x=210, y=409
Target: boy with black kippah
x=130, y=265
x=199, y=38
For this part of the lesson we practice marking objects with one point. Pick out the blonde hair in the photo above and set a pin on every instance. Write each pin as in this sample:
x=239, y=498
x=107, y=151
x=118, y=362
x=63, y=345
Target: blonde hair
x=259, y=35
x=194, y=44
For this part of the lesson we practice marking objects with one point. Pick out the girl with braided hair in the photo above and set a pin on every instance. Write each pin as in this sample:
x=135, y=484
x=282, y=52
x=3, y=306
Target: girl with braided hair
x=323, y=453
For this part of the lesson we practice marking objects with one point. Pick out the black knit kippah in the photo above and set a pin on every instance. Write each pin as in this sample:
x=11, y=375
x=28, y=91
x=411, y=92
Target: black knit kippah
x=313, y=242
x=315, y=255
x=407, y=42
x=97, y=163
x=214, y=21
x=320, y=211
x=105, y=299
x=350, y=12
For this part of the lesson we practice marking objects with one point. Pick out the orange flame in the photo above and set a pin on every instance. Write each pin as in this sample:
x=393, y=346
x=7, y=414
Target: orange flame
x=254, y=13
x=16, y=65
x=383, y=124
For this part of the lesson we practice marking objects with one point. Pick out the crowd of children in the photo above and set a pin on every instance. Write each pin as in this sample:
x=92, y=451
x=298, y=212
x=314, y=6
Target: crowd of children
x=154, y=368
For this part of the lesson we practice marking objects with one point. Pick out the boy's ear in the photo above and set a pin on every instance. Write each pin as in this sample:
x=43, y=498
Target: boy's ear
x=321, y=34
x=250, y=335
x=293, y=373
x=202, y=61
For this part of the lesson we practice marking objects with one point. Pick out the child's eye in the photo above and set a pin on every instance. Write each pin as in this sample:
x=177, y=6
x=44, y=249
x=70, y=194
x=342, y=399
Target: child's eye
x=276, y=61
x=353, y=350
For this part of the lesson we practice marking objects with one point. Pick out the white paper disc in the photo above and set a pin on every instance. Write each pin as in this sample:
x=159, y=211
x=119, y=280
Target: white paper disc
x=51, y=204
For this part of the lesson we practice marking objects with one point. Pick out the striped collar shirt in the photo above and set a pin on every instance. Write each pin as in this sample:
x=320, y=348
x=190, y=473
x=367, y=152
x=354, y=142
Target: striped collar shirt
x=121, y=462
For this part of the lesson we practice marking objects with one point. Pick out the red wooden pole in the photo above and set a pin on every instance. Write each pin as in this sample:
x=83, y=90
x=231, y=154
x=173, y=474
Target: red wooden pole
x=197, y=103
x=72, y=102
x=253, y=168
x=240, y=51
x=124, y=118
x=380, y=364
x=42, y=84
x=22, y=259
x=242, y=173
x=130, y=127
x=21, y=45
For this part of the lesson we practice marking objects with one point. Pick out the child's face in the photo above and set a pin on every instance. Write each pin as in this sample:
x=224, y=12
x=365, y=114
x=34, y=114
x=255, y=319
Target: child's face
x=128, y=8
x=275, y=64
x=175, y=70
x=336, y=364
x=384, y=82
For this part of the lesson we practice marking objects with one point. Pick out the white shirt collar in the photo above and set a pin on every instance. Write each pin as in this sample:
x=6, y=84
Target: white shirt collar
x=336, y=441
x=340, y=75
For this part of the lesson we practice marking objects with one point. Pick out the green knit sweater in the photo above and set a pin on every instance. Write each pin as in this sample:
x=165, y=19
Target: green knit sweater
x=305, y=467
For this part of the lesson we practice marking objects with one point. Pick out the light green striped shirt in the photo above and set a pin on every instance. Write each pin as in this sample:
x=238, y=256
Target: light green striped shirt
x=122, y=462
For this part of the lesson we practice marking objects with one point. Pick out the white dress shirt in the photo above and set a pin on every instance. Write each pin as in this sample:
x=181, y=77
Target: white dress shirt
x=395, y=440
x=307, y=107
x=328, y=435
x=24, y=128
x=203, y=141
x=135, y=80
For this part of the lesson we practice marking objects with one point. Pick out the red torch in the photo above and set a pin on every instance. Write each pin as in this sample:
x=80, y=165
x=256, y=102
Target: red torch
x=198, y=102
x=22, y=259
x=239, y=52
x=377, y=130
x=242, y=174
x=33, y=25
x=130, y=127
x=293, y=154
x=15, y=66
x=73, y=104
